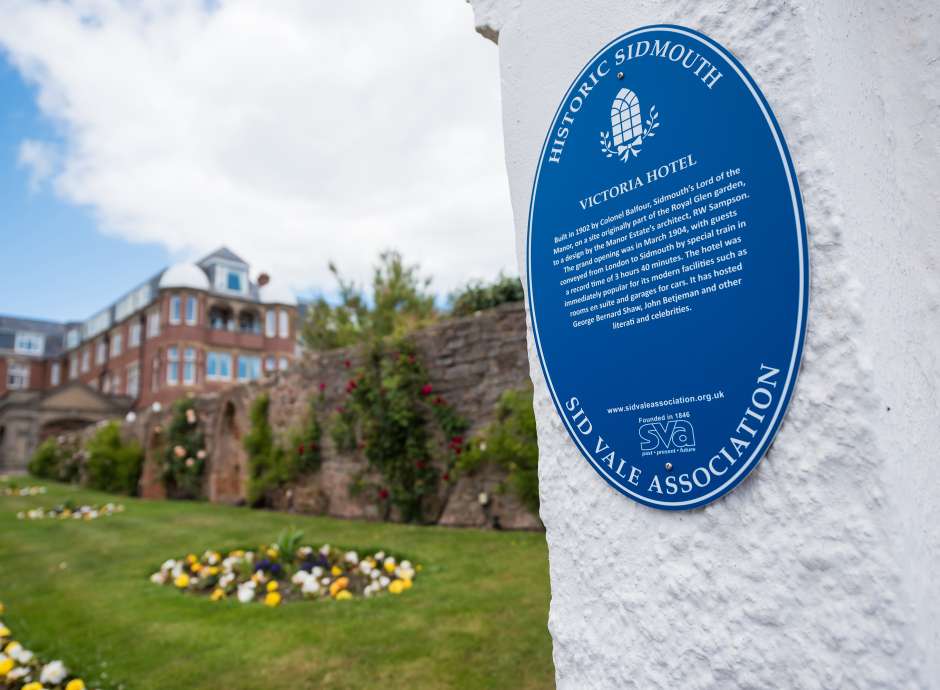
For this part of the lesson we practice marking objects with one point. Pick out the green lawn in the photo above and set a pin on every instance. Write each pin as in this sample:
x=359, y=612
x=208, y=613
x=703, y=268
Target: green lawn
x=475, y=618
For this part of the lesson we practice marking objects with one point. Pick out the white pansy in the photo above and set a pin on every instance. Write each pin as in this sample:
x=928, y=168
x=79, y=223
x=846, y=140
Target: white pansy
x=384, y=581
x=177, y=570
x=158, y=578
x=325, y=549
x=310, y=586
x=405, y=573
x=304, y=551
x=22, y=655
x=317, y=571
x=365, y=567
x=375, y=574
x=18, y=673
x=226, y=580
x=380, y=556
x=300, y=577
x=168, y=564
x=246, y=594
x=352, y=557
x=325, y=581
x=53, y=673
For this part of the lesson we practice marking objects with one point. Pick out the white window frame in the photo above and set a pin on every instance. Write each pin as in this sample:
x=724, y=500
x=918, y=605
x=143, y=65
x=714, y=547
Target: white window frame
x=73, y=365
x=256, y=370
x=189, y=366
x=192, y=310
x=176, y=309
x=86, y=359
x=283, y=323
x=117, y=344
x=17, y=376
x=172, y=366
x=153, y=323
x=55, y=374
x=270, y=323
x=101, y=352
x=283, y=363
x=27, y=343
x=270, y=364
x=133, y=335
x=132, y=375
x=214, y=366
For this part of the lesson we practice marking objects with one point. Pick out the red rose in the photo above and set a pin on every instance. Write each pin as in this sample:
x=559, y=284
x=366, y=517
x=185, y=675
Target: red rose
x=420, y=464
x=300, y=449
x=322, y=387
x=347, y=363
x=445, y=477
x=383, y=494
x=426, y=389
x=411, y=359
x=456, y=441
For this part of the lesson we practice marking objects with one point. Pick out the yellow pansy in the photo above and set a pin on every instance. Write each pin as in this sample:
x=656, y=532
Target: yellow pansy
x=76, y=684
x=191, y=558
x=272, y=586
x=406, y=582
x=338, y=586
x=272, y=553
x=344, y=595
x=272, y=599
x=336, y=571
x=4, y=631
x=195, y=567
x=182, y=581
x=237, y=553
x=217, y=593
x=33, y=686
x=212, y=570
x=396, y=587
x=6, y=666
x=390, y=566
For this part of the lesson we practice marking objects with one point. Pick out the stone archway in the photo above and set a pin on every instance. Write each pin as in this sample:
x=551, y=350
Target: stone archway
x=228, y=461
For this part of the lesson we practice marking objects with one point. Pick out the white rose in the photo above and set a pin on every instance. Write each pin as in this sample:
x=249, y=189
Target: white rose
x=53, y=673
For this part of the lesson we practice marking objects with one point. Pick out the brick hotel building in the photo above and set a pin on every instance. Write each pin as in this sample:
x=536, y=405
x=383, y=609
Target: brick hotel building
x=192, y=327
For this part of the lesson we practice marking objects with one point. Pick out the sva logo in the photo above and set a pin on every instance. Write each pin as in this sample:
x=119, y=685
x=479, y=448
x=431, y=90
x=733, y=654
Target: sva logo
x=670, y=435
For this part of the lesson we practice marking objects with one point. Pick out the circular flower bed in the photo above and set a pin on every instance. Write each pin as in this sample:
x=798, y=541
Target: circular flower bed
x=284, y=571
x=69, y=512
x=21, y=670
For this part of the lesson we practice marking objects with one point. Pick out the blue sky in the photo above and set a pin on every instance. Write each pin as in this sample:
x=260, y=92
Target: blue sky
x=55, y=263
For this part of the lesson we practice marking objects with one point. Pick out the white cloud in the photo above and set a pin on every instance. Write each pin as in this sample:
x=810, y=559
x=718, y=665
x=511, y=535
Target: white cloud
x=38, y=158
x=293, y=131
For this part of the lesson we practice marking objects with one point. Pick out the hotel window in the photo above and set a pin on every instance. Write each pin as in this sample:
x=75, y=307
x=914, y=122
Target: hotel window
x=101, y=351
x=269, y=363
x=72, y=338
x=153, y=323
x=219, y=366
x=55, y=374
x=117, y=343
x=133, y=335
x=283, y=324
x=234, y=281
x=249, y=367
x=270, y=323
x=175, y=309
x=191, y=307
x=28, y=343
x=17, y=376
x=86, y=360
x=133, y=380
x=282, y=363
x=172, y=366
x=73, y=366
x=116, y=383
x=189, y=366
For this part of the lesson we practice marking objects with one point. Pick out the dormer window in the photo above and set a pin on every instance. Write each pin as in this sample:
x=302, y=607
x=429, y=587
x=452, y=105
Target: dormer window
x=29, y=343
x=234, y=281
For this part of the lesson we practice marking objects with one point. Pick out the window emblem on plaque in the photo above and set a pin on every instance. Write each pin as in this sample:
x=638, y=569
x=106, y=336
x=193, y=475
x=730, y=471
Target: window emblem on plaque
x=627, y=126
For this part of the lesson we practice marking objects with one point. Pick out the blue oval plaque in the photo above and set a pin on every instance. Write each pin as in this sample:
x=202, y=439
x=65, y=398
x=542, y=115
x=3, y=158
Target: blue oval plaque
x=667, y=267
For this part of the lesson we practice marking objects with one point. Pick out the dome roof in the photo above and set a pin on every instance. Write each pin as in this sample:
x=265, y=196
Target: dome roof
x=276, y=293
x=184, y=276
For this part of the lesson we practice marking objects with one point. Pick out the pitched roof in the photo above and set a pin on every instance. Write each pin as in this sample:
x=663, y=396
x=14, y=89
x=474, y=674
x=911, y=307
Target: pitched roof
x=223, y=253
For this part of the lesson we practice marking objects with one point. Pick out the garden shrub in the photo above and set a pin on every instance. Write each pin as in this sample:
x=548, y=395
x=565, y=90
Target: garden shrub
x=309, y=455
x=184, y=458
x=47, y=460
x=112, y=464
x=477, y=296
x=510, y=442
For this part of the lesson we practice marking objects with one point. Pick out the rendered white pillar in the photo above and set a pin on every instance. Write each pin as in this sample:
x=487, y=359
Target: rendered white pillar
x=822, y=570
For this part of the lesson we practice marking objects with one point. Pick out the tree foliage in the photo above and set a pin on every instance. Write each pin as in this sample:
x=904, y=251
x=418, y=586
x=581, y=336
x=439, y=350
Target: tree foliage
x=399, y=303
x=477, y=295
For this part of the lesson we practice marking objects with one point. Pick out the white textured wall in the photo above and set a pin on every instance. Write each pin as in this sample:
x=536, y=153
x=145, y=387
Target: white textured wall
x=822, y=570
